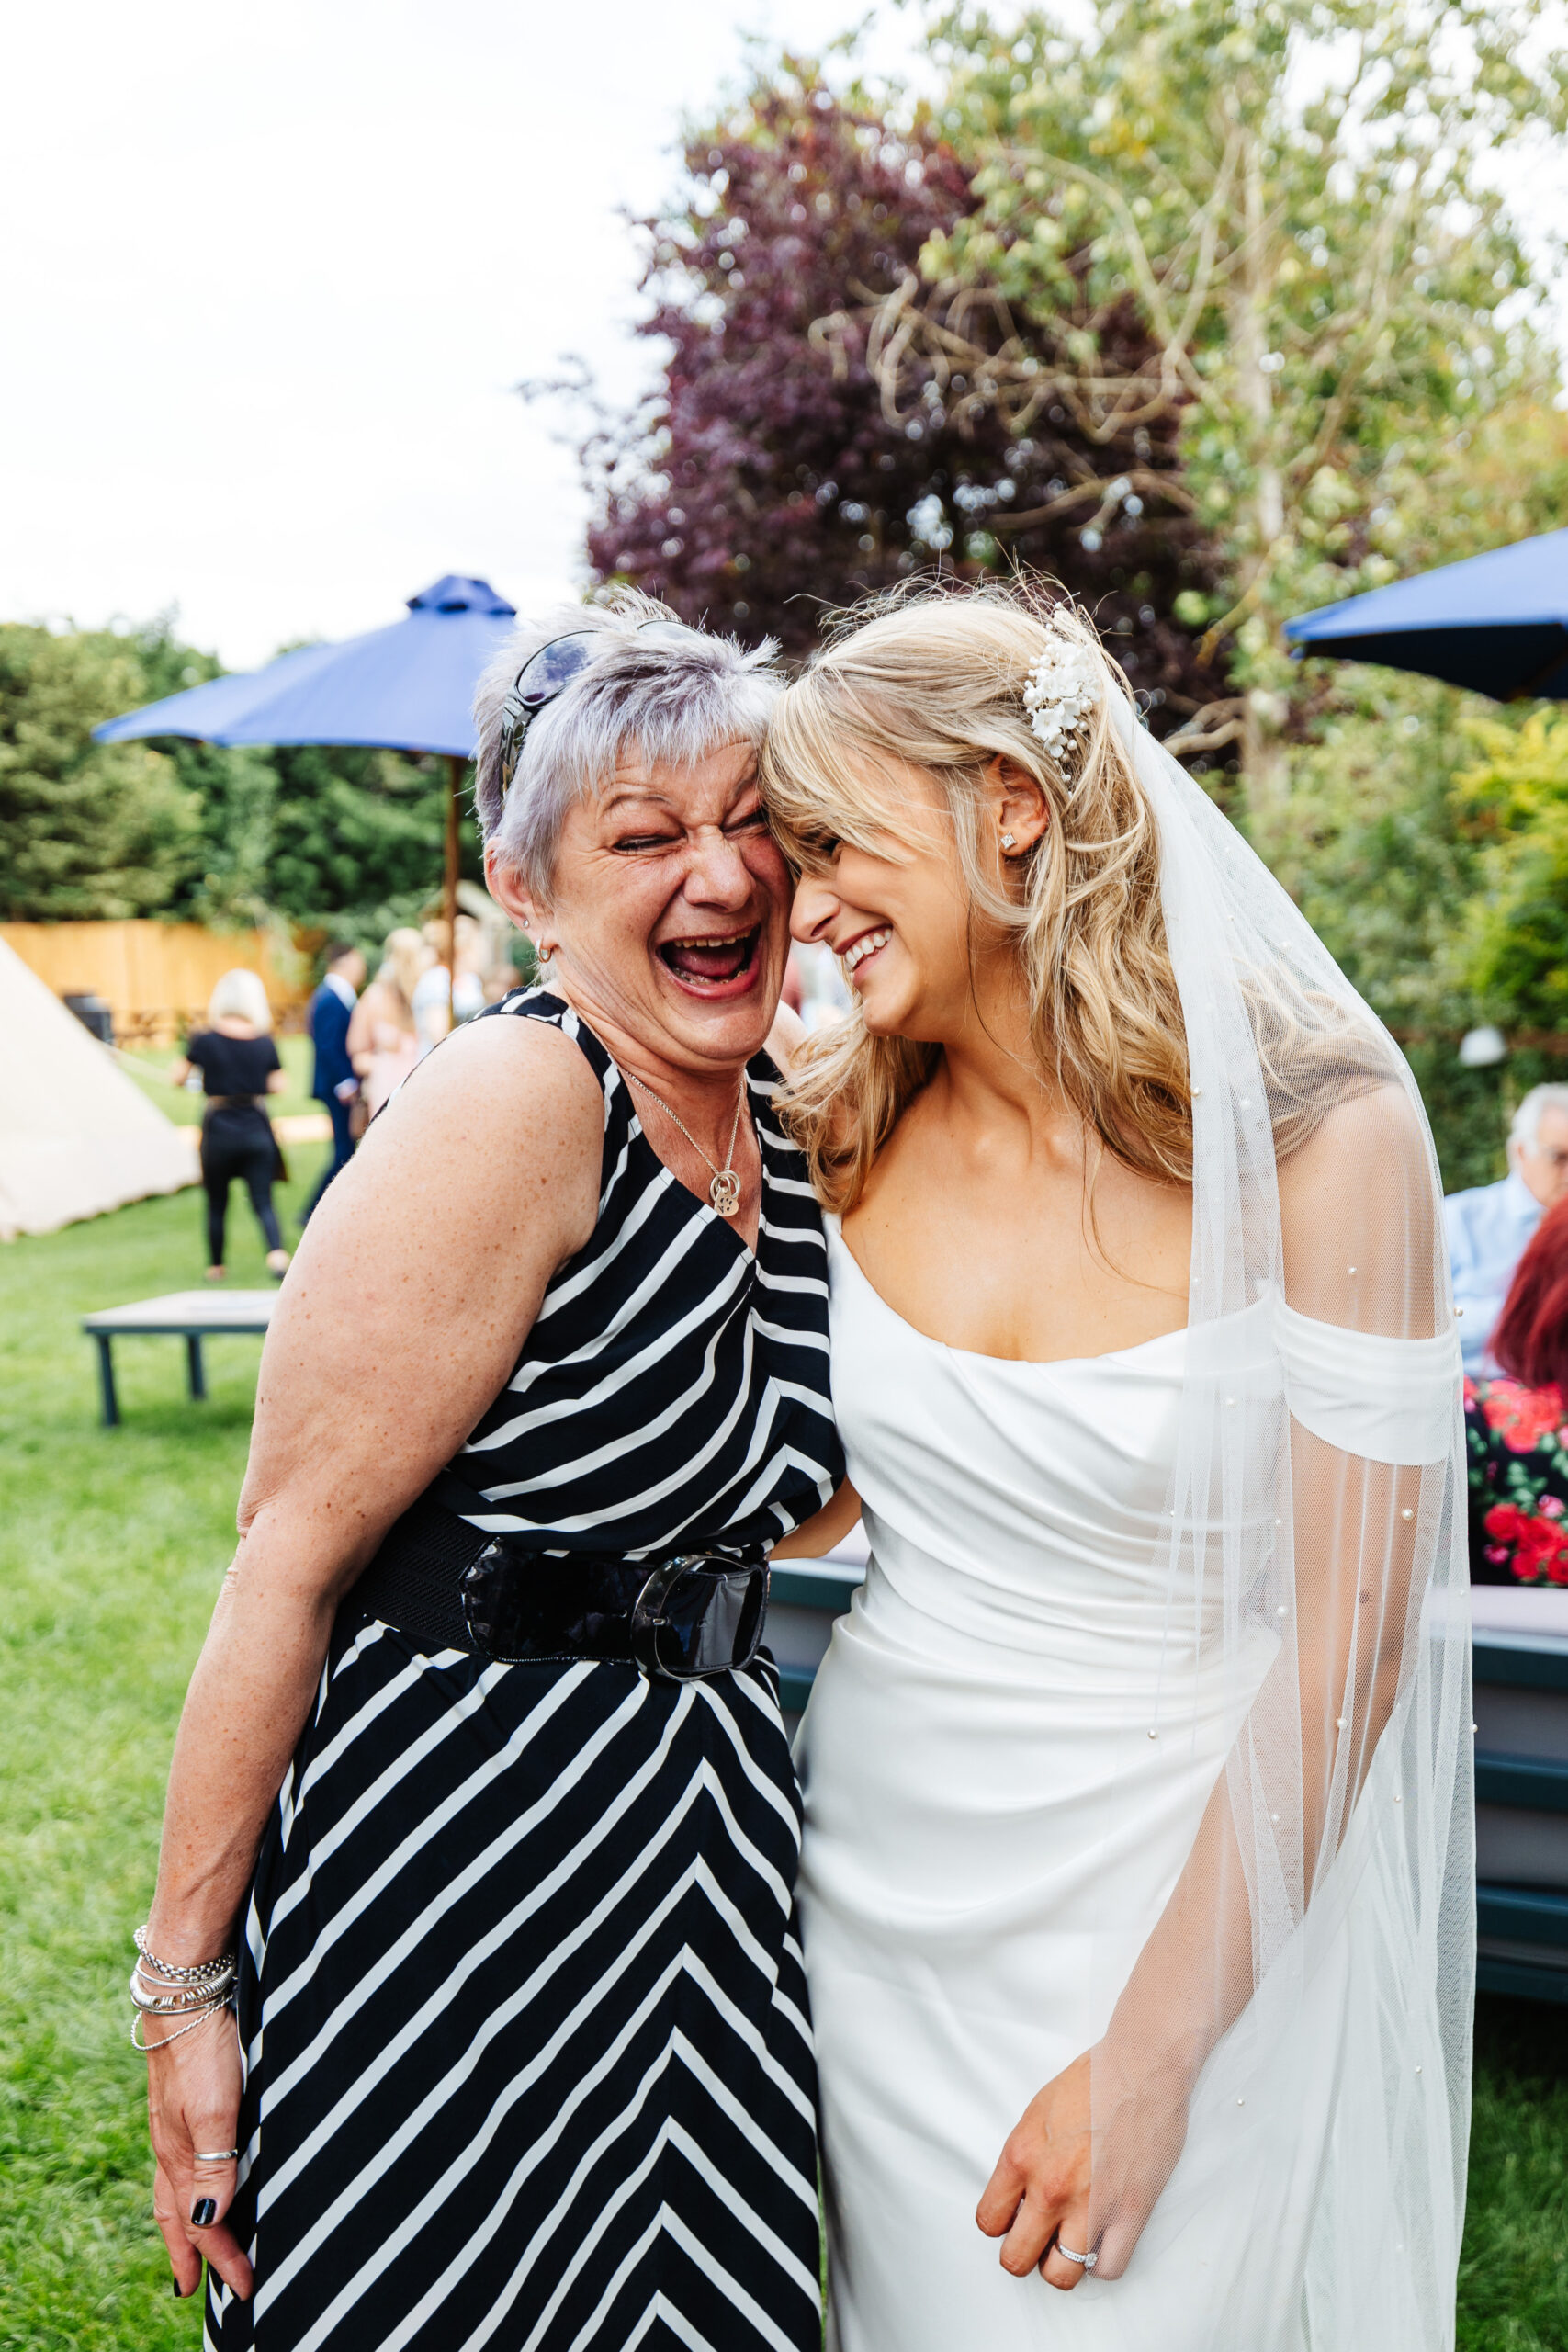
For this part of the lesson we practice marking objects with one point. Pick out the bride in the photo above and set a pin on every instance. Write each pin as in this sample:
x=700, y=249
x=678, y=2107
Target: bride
x=1137, y=1883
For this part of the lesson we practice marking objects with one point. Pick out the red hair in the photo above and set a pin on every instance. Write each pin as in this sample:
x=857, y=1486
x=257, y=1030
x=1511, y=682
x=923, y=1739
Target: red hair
x=1531, y=1341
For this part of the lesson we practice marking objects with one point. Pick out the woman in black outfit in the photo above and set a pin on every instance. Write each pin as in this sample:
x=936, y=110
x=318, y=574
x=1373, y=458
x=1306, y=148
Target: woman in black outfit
x=481, y=1791
x=240, y=1068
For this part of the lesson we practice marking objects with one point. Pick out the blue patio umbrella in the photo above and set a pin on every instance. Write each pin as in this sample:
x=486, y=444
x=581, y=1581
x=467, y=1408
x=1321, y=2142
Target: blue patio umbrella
x=1496, y=623
x=407, y=687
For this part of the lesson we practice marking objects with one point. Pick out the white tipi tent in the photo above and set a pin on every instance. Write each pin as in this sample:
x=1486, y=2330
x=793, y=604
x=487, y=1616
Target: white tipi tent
x=78, y=1136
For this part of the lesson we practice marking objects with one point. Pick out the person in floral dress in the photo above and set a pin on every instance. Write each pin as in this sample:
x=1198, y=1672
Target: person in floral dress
x=1517, y=1424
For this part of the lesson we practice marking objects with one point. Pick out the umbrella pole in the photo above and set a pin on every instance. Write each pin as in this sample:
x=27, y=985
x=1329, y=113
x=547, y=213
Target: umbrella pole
x=449, y=893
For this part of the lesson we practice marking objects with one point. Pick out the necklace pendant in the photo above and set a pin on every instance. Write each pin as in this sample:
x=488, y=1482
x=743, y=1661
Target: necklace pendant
x=725, y=1192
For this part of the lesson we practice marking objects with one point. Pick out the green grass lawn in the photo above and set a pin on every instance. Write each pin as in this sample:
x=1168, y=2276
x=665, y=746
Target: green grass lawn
x=111, y=1546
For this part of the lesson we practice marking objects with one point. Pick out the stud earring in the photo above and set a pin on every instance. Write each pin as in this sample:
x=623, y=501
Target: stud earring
x=1007, y=840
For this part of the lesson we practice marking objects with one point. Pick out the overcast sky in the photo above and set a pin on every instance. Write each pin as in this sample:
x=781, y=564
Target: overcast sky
x=271, y=274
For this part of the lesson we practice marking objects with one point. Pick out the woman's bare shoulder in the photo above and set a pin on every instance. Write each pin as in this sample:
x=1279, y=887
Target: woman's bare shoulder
x=504, y=1115
x=1371, y=1134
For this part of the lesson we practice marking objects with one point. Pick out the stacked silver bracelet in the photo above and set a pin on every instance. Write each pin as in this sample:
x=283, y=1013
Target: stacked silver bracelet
x=159, y=1989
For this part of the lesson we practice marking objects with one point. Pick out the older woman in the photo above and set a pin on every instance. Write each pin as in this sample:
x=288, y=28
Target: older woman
x=487, y=1784
x=383, y=1031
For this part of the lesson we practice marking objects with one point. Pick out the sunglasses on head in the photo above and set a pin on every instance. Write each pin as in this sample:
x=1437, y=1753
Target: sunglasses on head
x=548, y=672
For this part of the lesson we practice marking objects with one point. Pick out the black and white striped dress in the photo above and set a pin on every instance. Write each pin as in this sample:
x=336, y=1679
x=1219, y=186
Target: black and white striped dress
x=529, y=2054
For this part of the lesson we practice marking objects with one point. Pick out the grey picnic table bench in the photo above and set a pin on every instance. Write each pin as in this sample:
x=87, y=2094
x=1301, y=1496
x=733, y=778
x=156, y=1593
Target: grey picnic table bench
x=189, y=1314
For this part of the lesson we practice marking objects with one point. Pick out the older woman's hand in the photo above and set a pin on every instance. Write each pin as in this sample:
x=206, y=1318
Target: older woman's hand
x=193, y=2103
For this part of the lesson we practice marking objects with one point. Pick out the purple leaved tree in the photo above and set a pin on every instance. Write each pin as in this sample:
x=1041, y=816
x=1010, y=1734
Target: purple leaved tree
x=769, y=477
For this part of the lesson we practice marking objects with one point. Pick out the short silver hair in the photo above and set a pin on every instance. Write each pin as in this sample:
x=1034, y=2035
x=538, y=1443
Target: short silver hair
x=674, y=699
x=1524, y=1132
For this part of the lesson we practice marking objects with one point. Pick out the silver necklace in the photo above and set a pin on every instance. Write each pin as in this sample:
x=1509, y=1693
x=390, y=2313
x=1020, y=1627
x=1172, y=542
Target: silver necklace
x=725, y=1190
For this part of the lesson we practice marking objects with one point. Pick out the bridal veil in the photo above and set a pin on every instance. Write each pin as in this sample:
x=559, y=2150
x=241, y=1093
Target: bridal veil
x=1315, y=1960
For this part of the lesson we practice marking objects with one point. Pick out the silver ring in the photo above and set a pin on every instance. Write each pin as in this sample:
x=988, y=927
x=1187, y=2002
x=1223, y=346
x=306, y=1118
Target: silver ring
x=216, y=2155
x=1087, y=2261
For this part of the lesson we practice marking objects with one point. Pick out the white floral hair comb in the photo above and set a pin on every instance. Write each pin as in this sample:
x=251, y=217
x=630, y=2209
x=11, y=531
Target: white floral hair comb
x=1059, y=694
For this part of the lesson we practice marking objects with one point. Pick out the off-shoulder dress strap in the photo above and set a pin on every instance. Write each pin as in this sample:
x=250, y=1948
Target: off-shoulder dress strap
x=1384, y=1398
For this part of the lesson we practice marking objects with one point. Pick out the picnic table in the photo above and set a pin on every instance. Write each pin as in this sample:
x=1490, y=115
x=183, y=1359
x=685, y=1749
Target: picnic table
x=189, y=1314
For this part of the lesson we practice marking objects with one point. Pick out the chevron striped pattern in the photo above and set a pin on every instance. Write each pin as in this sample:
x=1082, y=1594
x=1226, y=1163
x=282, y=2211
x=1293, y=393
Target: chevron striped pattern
x=674, y=1387
x=529, y=2060
x=529, y=2054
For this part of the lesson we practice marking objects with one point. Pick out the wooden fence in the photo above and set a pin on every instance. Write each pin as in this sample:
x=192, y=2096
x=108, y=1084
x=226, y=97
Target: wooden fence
x=155, y=976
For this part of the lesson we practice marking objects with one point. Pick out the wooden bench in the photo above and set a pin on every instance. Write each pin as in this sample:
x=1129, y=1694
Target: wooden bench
x=192, y=1315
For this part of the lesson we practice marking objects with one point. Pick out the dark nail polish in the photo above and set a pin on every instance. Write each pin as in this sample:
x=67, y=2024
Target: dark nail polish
x=179, y=2291
x=203, y=2213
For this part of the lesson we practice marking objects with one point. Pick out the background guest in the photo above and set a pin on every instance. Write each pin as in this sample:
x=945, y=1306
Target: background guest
x=1489, y=1225
x=1517, y=1424
x=383, y=1035
x=468, y=997
x=333, y=1081
x=436, y=1007
x=433, y=991
x=240, y=1068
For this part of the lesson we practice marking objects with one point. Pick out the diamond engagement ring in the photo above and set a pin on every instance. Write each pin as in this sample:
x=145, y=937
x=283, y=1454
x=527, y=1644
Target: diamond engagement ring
x=1088, y=2260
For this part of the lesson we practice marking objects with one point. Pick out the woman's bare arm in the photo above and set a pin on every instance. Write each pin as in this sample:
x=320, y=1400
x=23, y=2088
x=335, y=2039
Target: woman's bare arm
x=415, y=1285
x=411, y=1294
x=816, y=1535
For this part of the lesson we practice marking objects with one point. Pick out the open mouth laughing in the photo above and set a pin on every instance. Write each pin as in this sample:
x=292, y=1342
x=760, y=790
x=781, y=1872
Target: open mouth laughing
x=715, y=966
x=860, y=951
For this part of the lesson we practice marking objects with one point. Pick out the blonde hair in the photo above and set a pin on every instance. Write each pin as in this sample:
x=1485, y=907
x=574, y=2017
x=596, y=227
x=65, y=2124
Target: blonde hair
x=240, y=996
x=405, y=958
x=935, y=679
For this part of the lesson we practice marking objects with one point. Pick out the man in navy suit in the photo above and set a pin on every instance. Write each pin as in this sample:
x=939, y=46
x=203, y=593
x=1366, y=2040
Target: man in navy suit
x=334, y=1082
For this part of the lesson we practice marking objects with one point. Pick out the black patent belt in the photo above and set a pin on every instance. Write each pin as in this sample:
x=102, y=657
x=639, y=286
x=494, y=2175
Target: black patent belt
x=448, y=1584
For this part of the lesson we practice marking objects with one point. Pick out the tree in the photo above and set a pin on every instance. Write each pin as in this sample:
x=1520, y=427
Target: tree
x=767, y=477
x=89, y=831
x=1514, y=945
x=1296, y=195
x=325, y=838
x=1399, y=862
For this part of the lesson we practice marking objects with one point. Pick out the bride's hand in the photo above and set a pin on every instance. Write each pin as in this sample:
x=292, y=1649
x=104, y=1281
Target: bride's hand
x=1039, y=2193
x=1040, y=2187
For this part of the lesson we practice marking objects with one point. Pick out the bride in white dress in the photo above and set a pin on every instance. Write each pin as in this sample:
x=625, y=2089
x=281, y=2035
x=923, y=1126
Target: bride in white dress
x=1136, y=1887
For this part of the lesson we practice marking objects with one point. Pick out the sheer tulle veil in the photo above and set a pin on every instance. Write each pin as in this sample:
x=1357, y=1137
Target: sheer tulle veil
x=1298, y=2026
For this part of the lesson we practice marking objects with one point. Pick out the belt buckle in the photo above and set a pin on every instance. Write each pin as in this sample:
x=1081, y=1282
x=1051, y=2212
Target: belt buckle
x=700, y=1613
x=494, y=1601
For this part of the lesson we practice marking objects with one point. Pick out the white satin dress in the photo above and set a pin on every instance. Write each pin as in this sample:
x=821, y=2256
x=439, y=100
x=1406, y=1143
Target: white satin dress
x=985, y=1855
